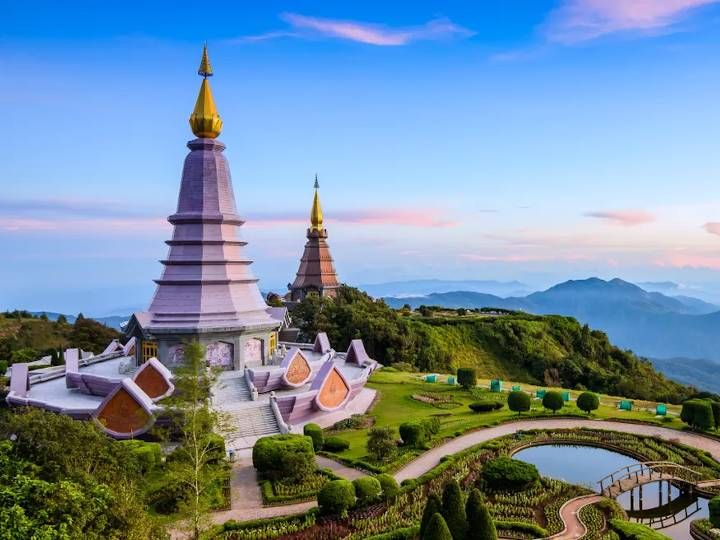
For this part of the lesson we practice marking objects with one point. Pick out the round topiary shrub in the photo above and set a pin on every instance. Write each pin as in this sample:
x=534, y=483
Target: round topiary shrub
x=284, y=456
x=438, y=529
x=467, y=377
x=518, y=401
x=698, y=413
x=553, y=401
x=315, y=432
x=509, y=474
x=485, y=406
x=390, y=488
x=367, y=489
x=336, y=444
x=336, y=497
x=412, y=433
x=588, y=402
x=714, y=508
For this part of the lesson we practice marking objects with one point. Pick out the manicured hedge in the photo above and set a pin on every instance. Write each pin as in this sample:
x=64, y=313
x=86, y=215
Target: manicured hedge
x=367, y=489
x=466, y=377
x=506, y=473
x=518, y=401
x=485, y=406
x=588, y=402
x=336, y=497
x=390, y=488
x=714, y=507
x=406, y=533
x=698, y=413
x=634, y=531
x=336, y=444
x=522, y=526
x=417, y=433
x=315, y=432
x=284, y=456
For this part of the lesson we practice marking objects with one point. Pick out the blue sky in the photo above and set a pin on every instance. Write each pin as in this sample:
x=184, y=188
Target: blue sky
x=531, y=140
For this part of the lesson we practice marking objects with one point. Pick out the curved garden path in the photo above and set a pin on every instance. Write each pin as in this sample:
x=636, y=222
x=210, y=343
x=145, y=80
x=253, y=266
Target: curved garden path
x=247, y=501
x=570, y=515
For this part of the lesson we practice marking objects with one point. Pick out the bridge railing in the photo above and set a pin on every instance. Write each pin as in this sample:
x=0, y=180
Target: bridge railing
x=663, y=469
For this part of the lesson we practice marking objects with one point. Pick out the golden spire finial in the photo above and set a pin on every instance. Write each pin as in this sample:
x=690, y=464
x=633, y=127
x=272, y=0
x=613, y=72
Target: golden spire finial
x=205, y=120
x=316, y=214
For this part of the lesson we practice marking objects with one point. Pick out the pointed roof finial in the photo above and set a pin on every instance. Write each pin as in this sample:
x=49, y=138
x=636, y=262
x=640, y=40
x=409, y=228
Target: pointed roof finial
x=316, y=214
x=205, y=121
x=205, y=68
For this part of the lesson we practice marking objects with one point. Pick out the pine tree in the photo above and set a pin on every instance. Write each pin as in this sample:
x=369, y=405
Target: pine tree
x=480, y=524
x=437, y=529
x=453, y=510
x=432, y=506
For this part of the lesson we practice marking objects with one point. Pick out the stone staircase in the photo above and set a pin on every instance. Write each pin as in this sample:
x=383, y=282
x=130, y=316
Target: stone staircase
x=230, y=389
x=245, y=424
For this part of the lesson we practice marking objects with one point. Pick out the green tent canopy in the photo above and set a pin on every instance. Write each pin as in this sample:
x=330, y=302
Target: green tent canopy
x=496, y=385
x=625, y=405
x=540, y=393
x=566, y=396
x=430, y=378
x=451, y=379
x=661, y=409
x=516, y=388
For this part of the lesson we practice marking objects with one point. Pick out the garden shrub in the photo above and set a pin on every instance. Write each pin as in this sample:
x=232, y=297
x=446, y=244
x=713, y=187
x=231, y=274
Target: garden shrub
x=715, y=405
x=406, y=533
x=315, y=432
x=412, y=433
x=485, y=406
x=437, y=529
x=714, y=508
x=553, y=400
x=336, y=444
x=698, y=413
x=336, y=497
x=522, y=526
x=505, y=473
x=634, y=531
x=431, y=425
x=390, y=488
x=367, y=489
x=466, y=377
x=453, y=510
x=284, y=456
x=480, y=524
x=518, y=401
x=588, y=402
x=432, y=507
x=381, y=443
x=147, y=455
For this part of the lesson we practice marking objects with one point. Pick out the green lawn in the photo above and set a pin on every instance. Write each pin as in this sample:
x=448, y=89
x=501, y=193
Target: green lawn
x=396, y=405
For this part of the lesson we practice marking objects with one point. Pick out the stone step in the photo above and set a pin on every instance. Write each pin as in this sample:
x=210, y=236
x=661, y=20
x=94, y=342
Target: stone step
x=250, y=422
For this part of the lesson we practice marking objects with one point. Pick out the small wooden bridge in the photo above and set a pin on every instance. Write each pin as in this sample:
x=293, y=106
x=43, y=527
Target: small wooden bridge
x=638, y=474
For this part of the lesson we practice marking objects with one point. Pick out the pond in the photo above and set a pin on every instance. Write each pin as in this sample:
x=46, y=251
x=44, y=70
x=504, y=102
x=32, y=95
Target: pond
x=585, y=465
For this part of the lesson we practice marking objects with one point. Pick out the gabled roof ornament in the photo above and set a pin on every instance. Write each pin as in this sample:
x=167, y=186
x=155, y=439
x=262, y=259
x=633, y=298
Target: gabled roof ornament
x=205, y=121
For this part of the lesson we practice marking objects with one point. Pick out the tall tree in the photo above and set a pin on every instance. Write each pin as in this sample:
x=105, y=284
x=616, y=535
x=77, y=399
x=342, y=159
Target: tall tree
x=453, y=510
x=432, y=507
x=480, y=524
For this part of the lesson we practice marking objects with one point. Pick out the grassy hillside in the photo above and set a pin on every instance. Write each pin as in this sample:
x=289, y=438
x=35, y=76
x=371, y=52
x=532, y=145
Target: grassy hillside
x=548, y=350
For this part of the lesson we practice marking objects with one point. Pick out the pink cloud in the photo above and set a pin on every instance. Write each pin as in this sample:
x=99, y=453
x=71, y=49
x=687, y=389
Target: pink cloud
x=626, y=218
x=362, y=32
x=712, y=228
x=690, y=260
x=523, y=258
x=402, y=217
x=90, y=226
x=582, y=20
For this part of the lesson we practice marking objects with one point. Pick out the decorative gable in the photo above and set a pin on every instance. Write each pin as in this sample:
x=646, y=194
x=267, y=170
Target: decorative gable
x=332, y=388
x=298, y=369
x=154, y=379
x=125, y=412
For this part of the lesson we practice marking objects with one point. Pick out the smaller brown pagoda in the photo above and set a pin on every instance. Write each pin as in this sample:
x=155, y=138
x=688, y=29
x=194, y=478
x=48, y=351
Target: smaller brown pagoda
x=316, y=274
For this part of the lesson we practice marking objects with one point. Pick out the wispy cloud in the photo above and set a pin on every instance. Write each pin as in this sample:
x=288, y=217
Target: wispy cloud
x=689, y=260
x=713, y=227
x=362, y=32
x=576, y=21
x=401, y=217
x=626, y=218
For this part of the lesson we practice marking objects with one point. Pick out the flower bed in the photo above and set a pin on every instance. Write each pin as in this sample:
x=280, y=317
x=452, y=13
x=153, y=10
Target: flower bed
x=281, y=492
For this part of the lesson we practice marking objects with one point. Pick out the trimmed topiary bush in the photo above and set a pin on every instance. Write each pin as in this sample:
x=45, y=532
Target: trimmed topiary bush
x=412, y=433
x=714, y=508
x=315, y=432
x=437, y=529
x=390, y=488
x=553, y=401
x=453, y=510
x=336, y=444
x=336, y=497
x=698, y=413
x=432, y=506
x=466, y=377
x=634, y=531
x=480, y=524
x=716, y=413
x=485, y=406
x=147, y=455
x=518, y=401
x=431, y=425
x=588, y=402
x=367, y=489
x=506, y=473
x=284, y=456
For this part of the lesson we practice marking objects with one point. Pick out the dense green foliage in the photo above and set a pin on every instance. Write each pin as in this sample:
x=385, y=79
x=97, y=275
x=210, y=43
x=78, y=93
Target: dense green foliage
x=508, y=473
x=412, y=433
x=433, y=506
x=634, y=531
x=290, y=457
x=453, y=510
x=24, y=337
x=518, y=401
x=336, y=497
x=480, y=524
x=466, y=377
x=551, y=350
x=390, y=487
x=485, y=406
x=367, y=489
x=437, y=529
x=315, y=432
x=335, y=444
x=381, y=444
x=714, y=508
x=588, y=402
x=65, y=479
x=698, y=413
x=553, y=400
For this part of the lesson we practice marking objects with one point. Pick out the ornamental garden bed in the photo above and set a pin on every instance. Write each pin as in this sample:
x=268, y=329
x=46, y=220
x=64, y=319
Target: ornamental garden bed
x=280, y=492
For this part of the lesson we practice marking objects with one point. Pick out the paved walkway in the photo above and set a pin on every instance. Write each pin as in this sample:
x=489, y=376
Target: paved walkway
x=247, y=501
x=570, y=515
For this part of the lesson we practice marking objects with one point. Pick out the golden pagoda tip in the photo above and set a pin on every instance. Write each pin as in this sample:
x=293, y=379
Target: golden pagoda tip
x=205, y=69
x=205, y=121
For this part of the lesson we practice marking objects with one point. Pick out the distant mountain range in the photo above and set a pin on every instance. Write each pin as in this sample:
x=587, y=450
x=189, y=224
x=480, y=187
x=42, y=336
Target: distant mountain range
x=113, y=321
x=650, y=323
x=421, y=287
